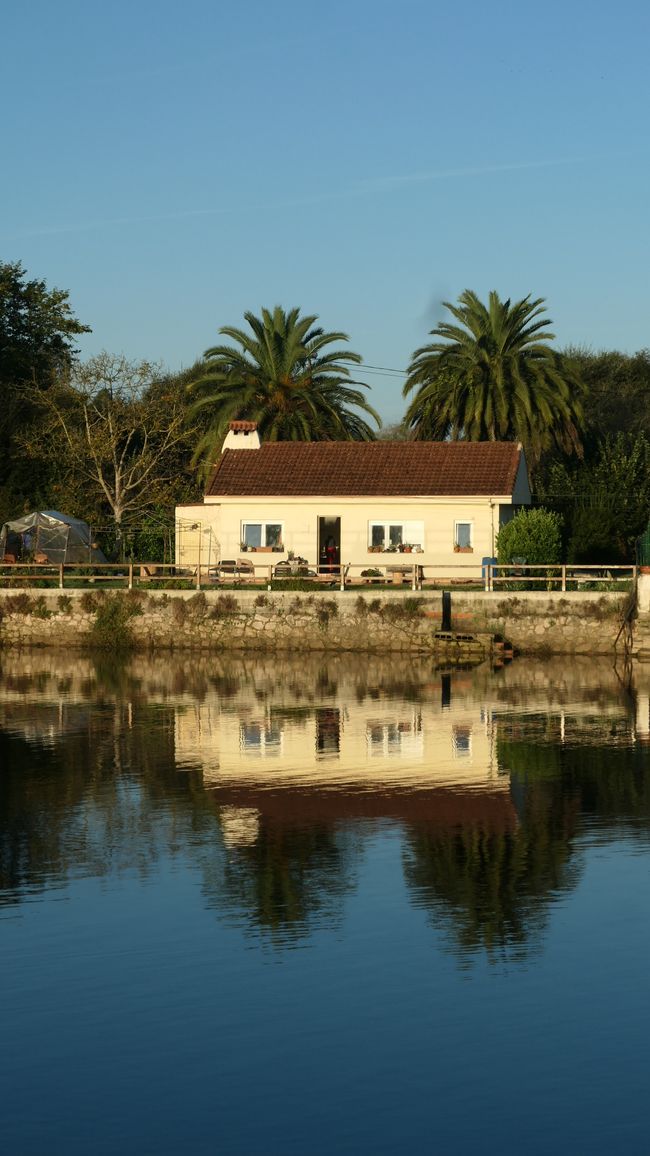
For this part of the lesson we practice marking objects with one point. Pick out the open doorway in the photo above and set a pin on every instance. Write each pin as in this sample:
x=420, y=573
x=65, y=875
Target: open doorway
x=329, y=545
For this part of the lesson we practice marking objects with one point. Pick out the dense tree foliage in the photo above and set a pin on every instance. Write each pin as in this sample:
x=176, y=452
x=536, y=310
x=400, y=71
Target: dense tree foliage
x=282, y=375
x=491, y=377
x=618, y=391
x=37, y=331
x=605, y=500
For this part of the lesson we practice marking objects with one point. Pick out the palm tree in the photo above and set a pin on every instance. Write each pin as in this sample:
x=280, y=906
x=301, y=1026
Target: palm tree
x=491, y=378
x=282, y=376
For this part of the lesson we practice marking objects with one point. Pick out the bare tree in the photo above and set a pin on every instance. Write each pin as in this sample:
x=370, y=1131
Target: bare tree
x=116, y=430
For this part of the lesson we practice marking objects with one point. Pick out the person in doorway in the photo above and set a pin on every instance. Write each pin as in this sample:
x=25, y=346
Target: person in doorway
x=331, y=554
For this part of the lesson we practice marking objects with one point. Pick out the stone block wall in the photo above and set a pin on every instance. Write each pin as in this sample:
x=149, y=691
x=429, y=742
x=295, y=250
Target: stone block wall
x=370, y=621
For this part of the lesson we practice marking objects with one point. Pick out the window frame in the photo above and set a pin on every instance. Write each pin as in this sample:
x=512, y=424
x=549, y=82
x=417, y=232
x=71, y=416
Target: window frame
x=264, y=542
x=386, y=527
x=457, y=545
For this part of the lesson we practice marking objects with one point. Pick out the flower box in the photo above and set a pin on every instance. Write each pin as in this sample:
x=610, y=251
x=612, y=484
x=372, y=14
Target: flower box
x=463, y=549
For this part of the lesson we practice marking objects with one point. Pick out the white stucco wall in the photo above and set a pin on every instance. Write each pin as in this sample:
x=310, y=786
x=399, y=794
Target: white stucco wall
x=429, y=522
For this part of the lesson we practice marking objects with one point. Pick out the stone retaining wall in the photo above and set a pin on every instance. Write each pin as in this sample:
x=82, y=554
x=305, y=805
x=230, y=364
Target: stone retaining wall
x=535, y=622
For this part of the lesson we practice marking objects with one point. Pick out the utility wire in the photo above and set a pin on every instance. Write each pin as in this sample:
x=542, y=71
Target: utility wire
x=384, y=369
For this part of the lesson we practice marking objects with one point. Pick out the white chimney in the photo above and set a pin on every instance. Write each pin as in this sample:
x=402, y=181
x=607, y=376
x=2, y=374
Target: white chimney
x=242, y=435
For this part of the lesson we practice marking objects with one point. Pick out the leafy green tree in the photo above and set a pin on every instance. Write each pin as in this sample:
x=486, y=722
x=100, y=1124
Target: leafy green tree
x=491, y=377
x=282, y=375
x=535, y=535
x=605, y=500
x=37, y=331
x=618, y=386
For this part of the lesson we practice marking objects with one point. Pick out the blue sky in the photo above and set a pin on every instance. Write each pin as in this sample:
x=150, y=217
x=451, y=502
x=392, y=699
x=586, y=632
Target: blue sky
x=172, y=165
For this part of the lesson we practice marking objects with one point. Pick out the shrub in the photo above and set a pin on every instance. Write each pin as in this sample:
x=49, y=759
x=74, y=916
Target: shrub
x=408, y=610
x=325, y=612
x=89, y=602
x=64, y=603
x=21, y=603
x=179, y=610
x=262, y=600
x=111, y=629
x=225, y=605
x=40, y=609
x=198, y=605
x=534, y=535
x=595, y=538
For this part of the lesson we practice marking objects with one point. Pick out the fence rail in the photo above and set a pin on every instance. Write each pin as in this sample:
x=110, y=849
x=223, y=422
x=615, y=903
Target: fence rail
x=242, y=572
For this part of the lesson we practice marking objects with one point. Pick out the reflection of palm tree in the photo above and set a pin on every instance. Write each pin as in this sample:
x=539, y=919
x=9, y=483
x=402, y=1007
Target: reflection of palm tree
x=288, y=876
x=493, y=886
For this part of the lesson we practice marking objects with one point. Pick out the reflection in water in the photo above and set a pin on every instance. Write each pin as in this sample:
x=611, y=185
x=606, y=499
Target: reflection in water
x=488, y=885
x=285, y=772
x=281, y=879
x=340, y=902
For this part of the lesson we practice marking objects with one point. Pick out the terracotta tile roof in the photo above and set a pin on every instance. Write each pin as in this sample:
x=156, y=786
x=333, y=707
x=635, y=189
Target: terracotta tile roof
x=295, y=469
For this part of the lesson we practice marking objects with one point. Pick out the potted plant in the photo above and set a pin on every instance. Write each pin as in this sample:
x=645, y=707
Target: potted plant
x=243, y=546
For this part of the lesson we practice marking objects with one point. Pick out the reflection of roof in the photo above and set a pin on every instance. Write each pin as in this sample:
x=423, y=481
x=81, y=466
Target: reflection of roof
x=368, y=468
x=438, y=806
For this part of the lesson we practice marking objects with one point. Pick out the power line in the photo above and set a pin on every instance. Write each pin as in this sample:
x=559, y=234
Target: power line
x=384, y=370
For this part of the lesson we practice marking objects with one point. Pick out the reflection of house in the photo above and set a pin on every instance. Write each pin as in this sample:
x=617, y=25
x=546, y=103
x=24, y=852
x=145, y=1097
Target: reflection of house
x=357, y=502
x=369, y=744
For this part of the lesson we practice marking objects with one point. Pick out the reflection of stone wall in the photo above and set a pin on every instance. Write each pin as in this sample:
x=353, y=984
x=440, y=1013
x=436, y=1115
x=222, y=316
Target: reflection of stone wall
x=536, y=623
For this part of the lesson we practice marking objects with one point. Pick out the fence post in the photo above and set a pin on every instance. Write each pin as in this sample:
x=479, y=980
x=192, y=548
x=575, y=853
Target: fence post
x=414, y=577
x=341, y=576
x=198, y=576
x=130, y=575
x=60, y=575
x=269, y=578
x=564, y=579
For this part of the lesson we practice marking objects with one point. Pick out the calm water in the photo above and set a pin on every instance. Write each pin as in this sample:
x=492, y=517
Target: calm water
x=335, y=906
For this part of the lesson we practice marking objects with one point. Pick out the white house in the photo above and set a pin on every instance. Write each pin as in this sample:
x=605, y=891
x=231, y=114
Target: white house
x=353, y=502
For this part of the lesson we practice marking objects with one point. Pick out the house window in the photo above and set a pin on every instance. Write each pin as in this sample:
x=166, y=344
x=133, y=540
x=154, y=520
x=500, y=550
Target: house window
x=393, y=535
x=463, y=535
x=256, y=534
x=384, y=534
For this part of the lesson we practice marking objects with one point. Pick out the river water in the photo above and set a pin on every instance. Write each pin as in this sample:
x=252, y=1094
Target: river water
x=334, y=905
